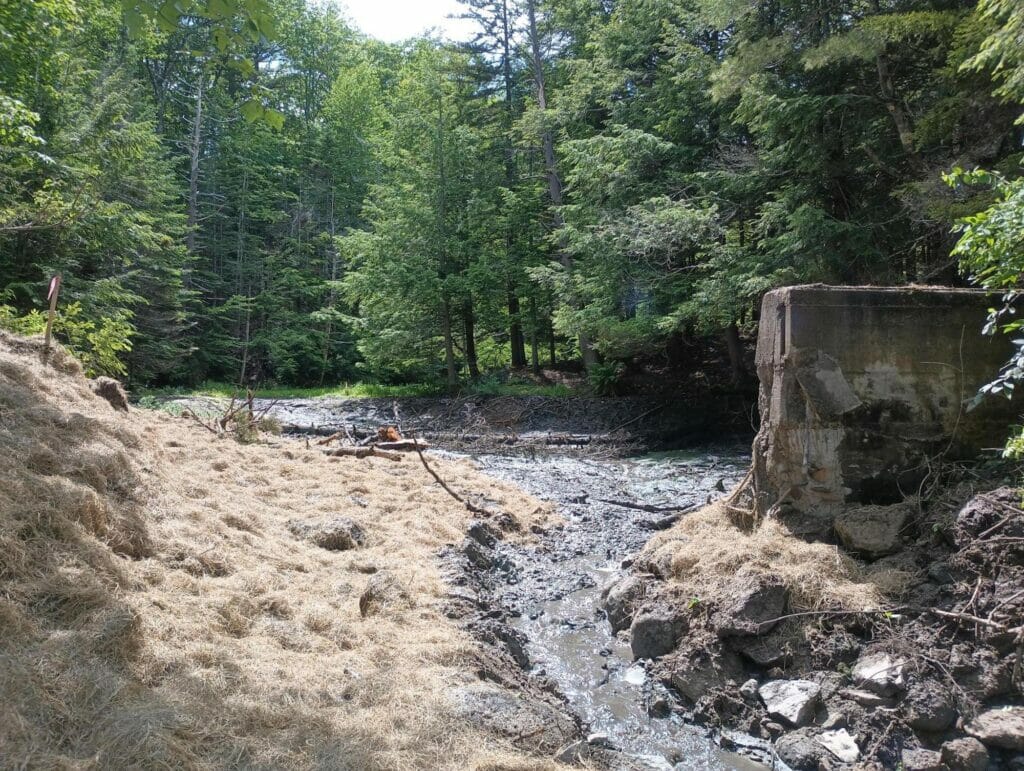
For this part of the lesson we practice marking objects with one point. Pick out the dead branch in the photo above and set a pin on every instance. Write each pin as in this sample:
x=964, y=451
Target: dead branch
x=468, y=504
x=364, y=452
x=649, y=508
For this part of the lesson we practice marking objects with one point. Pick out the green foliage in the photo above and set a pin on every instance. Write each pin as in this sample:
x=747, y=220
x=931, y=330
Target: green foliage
x=100, y=344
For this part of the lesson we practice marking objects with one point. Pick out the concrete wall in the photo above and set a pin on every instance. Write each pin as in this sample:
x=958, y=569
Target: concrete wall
x=862, y=386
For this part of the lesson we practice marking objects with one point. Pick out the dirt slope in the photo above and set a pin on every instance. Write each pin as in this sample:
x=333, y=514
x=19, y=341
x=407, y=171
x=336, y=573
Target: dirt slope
x=157, y=610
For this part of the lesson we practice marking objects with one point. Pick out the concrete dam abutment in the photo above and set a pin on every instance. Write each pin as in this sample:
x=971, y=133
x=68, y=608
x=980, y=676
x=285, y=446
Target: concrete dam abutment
x=862, y=389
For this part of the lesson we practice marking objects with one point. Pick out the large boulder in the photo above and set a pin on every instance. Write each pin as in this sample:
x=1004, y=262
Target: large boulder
x=873, y=531
x=656, y=630
x=621, y=599
x=335, y=534
x=1002, y=728
x=794, y=701
x=751, y=605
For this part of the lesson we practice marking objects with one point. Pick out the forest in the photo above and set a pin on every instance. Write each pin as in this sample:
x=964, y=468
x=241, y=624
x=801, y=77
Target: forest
x=252, y=191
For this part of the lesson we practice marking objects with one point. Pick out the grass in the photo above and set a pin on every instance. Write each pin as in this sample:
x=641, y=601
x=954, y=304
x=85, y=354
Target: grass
x=157, y=611
x=485, y=387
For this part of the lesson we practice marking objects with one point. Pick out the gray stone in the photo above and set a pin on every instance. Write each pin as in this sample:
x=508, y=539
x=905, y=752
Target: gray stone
x=655, y=631
x=697, y=669
x=967, y=754
x=1002, y=728
x=762, y=651
x=867, y=698
x=752, y=607
x=793, y=701
x=573, y=752
x=840, y=744
x=620, y=601
x=800, y=750
x=880, y=673
x=335, y=534
x=929, y=708
x=922, y=760
x=872, y=531
x=749, y=689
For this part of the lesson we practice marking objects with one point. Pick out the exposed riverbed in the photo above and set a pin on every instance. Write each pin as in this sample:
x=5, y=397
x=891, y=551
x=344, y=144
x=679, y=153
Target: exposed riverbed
x=553, y=590
x=549, y=591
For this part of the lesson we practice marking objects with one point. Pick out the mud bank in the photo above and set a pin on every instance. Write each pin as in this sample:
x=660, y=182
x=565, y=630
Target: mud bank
x=520, y=424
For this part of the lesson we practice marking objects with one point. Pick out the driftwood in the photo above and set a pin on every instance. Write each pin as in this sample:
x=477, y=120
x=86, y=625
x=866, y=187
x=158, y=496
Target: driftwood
x=402, y=445
x=648, y=507
x=365, y=452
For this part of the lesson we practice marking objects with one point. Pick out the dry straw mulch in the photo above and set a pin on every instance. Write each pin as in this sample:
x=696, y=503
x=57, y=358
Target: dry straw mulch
x=156, y=611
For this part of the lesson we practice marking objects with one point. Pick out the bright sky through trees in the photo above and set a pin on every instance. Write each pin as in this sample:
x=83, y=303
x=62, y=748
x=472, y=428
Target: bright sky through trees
x=395, y=20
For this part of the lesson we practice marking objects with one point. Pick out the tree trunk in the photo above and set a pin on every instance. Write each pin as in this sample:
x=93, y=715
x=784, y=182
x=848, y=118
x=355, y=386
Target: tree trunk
x=469, y=327
x=534, y=352
x=515, y=330
x=551, y=165
x=735, y=348
x=900, y=117
x=195, y=145
x=452, y=379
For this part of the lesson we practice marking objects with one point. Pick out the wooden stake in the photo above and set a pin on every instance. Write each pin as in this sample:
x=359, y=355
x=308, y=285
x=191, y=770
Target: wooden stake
x=52, y=297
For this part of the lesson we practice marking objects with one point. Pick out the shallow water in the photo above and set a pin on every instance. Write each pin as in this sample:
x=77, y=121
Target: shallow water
x=556, y=588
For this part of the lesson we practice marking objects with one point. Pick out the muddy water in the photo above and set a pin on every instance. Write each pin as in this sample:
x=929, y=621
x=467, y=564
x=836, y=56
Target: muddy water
x=555, y=591
x=552, y=589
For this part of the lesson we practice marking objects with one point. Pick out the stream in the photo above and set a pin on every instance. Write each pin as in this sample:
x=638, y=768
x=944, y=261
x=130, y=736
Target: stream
x=553, y=591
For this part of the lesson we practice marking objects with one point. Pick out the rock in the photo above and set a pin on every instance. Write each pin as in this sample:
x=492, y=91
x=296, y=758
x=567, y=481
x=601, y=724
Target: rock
x=479, y=555
x=1002, y=728
x=482, y=533
x=980, y=514
x=880, y=673
x=621, y=599
x=928, y=707
x=762, y=651
x=840, y=744
x=382, y=591
x=525, y=720
x=573, y=752
x=800, y=750
x=966, y=754
x=600, y=740
x=922, y=760
x=749, y=689
x=655, y=631
x=336, y=534
x=751, y=606
x=699, y=668
x=867, y=698
x=111, y=390
x=793, y=701
x=872, y=531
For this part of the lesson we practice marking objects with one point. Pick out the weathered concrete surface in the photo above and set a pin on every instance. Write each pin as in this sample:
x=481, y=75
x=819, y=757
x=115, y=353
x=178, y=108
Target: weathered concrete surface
x=860, y=386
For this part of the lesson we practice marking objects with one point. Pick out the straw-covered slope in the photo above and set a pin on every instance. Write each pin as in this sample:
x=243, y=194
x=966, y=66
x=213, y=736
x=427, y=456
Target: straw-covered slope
x=156, y=610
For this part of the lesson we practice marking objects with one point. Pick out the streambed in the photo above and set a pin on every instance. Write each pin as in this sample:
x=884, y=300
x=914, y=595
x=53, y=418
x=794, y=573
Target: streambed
x=553, y=593
x=550, y=590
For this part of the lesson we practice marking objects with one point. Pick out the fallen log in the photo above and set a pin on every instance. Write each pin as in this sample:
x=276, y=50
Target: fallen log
x=402, y=445
x=650, y=509
x=365, y=452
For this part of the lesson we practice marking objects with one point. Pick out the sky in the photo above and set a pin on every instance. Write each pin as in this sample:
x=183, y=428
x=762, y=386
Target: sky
x=395, y=20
